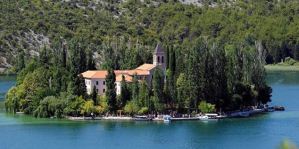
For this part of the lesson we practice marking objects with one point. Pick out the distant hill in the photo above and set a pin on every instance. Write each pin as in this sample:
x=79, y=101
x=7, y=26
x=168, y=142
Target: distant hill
x=30, y=25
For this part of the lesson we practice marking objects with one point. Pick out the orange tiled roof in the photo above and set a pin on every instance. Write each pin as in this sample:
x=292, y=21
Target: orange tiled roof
x=127, y=78
x=142, y=70
x=97, y=74
x=147, y=67
x=139, y=72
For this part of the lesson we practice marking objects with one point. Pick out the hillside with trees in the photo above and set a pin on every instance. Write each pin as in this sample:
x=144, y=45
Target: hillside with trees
x=133, y=27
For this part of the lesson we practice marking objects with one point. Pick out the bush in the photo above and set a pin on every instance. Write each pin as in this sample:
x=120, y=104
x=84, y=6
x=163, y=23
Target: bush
x=131, y=108
x=88, y=108
x=290, y=61
x=205, y=107
x=143, y=110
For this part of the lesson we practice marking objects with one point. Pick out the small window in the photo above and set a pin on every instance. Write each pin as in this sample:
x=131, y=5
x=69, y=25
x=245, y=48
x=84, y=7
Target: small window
x=103, y=90
x=103, y=82
x=158, y=59
x=97, y=82
x=162, y=59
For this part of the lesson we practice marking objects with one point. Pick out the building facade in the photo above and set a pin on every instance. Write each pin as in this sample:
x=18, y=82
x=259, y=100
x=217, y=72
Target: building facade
x=143, y=73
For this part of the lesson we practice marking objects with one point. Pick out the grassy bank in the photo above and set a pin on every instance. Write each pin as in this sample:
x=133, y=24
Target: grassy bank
x=289, y=64
x=282, y=68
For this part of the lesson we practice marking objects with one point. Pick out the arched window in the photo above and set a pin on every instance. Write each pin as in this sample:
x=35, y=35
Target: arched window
x=162, y=59
x=158, y=59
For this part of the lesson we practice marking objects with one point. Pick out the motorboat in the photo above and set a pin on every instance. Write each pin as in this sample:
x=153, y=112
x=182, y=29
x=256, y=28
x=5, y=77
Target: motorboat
x=208, y=117
x=166, y=118
x=142, y=118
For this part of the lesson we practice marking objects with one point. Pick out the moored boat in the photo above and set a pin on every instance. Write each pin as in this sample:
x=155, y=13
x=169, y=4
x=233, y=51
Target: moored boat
x=279, y=108
x=142, y=118
x=166, y=118
x=208, y=117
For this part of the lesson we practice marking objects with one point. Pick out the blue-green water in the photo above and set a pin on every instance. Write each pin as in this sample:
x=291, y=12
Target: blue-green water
x=264, y=131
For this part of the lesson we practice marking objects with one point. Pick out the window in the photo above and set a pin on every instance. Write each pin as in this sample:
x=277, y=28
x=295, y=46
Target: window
x=103, y=82
x=103, y=90
x=162, y=59
x=158, y=59
x=97, y=82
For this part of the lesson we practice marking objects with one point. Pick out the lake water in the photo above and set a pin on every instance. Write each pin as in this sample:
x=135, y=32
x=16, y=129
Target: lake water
x=264, y=131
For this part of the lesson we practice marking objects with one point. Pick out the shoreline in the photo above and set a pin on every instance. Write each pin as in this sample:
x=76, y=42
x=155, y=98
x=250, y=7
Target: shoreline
x=159, y=118
x=290, y=68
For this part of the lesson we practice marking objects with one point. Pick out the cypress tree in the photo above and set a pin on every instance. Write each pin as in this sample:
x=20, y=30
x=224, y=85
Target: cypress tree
x=64, y=56
x=44, y=57
x=143, y=95
x=80, y=87
x=20, y=61
x=125, y=93
x=135, y=88
x=90, y=62
x=110, y=90
x=94, y=95
x=158, y=84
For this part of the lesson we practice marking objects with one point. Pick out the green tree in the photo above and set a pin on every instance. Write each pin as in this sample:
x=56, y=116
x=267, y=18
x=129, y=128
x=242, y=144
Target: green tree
x=143, y=97
x=158, y=84
x=88, y=108
x=205, y=107
x=135, y=88
x=131, y=108
x=124, y=94
x=20, y=61
x=110, y=90
x=183, y=98
x=94, y=95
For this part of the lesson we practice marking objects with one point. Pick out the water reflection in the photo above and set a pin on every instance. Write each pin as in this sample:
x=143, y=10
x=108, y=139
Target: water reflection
x=286, y=78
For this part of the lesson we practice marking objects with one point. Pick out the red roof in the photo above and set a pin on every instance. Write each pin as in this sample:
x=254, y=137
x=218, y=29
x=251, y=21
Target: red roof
x=147, y=67
x=142, y=70
x=127, y=78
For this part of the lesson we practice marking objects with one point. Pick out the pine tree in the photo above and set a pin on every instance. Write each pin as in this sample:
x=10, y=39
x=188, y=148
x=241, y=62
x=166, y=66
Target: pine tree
x=158, y=85
x=143, y=95
x=94, y=95
x=64, y=56
x=110, y=90
x=44, y=57
x=125, y=93
x=80, y=87
x=196, y=72
x=135, y=88
x=90, y=62
x=20, y=61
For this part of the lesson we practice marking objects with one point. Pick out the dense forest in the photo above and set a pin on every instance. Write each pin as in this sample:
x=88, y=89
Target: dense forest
x=216, y=53
x=135, y=26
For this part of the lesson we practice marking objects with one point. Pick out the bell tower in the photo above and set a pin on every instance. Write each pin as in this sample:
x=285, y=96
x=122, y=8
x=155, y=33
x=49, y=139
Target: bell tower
x=159, y=58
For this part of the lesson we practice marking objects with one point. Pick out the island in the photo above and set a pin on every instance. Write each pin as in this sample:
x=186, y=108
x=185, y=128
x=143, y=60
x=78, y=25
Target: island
x=208, y=79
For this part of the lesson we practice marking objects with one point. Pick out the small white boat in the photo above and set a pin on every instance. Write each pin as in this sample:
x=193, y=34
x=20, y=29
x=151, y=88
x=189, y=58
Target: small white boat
x=166, y=118
x=208, y=117
x=203, y=118
x=142, y=118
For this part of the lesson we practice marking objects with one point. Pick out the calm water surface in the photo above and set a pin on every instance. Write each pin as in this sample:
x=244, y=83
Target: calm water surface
x=264, y=131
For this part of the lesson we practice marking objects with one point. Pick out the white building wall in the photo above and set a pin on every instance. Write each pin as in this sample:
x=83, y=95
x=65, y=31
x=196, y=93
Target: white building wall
x=118, y=88
x=100, y=84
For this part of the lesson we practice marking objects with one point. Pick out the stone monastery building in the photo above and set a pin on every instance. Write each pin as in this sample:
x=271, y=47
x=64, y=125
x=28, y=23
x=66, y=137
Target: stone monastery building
x=144, y=72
